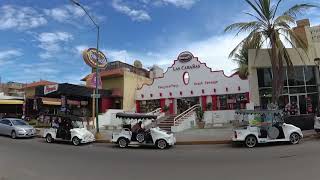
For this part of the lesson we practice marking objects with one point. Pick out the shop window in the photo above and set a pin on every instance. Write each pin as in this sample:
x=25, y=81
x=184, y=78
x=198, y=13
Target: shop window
x=265, y=92
x=309, y=73
x=295, y=90
x=264, y=77
x=296, y=77
x=312, y=89
x=186, y=78
x=148, y=106
x=222, y=102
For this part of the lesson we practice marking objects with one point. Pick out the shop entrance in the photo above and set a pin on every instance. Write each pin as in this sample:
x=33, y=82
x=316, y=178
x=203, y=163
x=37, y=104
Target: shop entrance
x=185, y=103
x=298, y=104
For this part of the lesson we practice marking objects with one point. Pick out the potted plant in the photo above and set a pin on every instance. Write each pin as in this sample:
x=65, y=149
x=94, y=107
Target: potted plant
x=199, y=114
x=165, y=109
x=209, y=106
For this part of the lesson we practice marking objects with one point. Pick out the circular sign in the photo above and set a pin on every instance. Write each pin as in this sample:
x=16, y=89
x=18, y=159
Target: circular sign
x=91, y=57
x=185, y=56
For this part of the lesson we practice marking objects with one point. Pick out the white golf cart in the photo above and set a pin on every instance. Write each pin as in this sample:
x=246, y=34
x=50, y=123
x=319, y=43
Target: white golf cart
x=147, y=136
x=317, y=124
x=69, y=129
x=264, y=126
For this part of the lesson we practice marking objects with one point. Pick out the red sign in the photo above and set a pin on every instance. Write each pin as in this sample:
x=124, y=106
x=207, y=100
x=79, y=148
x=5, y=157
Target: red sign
x=50, y=89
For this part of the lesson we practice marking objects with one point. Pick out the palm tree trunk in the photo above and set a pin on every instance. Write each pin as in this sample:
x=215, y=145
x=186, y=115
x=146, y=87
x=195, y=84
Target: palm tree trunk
x=275, y=70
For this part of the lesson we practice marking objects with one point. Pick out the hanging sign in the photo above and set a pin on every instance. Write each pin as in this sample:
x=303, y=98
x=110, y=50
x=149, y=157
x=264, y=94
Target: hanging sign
x=50, y=89
x=185, y=56
x=91, y=57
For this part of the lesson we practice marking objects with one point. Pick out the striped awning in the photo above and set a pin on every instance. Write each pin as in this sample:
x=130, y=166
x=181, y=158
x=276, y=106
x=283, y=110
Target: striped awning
x=11, y=101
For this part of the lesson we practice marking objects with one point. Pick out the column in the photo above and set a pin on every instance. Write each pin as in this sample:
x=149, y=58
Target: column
x=214, y=102
x=138, y=106
x=204, y=103
x=171, y=106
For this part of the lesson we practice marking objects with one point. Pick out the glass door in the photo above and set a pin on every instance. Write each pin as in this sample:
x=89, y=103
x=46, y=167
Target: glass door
x=298, y=104
x=302, y=104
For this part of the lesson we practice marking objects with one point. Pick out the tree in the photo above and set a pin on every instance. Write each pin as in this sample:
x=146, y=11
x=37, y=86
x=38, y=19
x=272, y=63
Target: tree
x=137, y=64
x=241, y=57
x=267, y=28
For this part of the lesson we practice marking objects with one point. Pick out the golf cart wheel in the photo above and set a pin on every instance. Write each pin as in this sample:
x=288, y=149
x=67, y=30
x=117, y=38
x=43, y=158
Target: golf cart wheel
x=294, y=138
x=49, y=138
x=76, y=141
x=140, y=137
x=123, y=142
x=161, y=144
x=13, y=135
x=251, y=141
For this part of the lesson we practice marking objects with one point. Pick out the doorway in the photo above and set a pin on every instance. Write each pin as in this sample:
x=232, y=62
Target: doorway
x=185, y=103
x=298, y=104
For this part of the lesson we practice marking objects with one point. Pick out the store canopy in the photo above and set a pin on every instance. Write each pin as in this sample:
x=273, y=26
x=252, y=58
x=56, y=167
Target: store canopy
x=71, y=90
x=11, y=101
x=135, y=116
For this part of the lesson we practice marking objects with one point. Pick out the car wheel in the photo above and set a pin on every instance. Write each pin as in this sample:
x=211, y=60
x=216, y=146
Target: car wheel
x=13, y=135
x=294, y=138
x=49, y=138
x=140, y=137
x=161, y=144
x=75, y=141
x=251, y=141
x=123, y=142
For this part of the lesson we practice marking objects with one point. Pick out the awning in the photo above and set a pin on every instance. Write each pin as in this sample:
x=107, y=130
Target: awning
x=51, y=101
x=10, y=101
x=135, y=116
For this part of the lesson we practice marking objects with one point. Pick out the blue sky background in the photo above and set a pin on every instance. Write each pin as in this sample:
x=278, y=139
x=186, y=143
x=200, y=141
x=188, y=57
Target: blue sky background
x=44, y=39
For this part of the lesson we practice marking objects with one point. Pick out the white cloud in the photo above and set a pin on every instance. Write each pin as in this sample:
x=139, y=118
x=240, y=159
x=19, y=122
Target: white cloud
x=10, y=54
x=65, y=13
x=134, y=14
x=21, y=18
x=51, y=42
x=178, y=3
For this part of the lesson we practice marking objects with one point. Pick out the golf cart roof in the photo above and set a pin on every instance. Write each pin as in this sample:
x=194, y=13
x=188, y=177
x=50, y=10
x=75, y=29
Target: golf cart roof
x=135, y=116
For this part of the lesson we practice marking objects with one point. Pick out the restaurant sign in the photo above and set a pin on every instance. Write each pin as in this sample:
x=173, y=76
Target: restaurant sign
x=92, y=57
x=185, y=56
x=50, y=89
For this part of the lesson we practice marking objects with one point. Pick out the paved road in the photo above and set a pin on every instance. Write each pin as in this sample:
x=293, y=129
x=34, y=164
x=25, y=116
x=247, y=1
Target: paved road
x=34, y=159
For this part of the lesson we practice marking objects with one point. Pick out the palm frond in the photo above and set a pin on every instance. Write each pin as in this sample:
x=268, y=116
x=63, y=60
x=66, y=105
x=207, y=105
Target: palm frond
x=256, y=9
x=275, y=9
x=298, y=9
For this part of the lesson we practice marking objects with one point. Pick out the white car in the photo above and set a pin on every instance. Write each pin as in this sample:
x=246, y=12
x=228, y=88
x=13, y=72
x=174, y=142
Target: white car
x=317, y=124
x=154, y=136
x=253, y=135
x=77, y=134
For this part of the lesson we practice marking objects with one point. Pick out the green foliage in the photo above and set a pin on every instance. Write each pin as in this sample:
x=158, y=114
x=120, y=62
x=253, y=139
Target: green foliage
x=199, y=113
x=165, y=108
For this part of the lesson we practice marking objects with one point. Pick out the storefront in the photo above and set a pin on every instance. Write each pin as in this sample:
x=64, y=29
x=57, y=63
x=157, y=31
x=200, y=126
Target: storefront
x=189, y=82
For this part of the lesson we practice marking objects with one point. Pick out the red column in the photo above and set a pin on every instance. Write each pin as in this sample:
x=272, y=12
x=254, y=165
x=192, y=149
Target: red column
x=137, y=106
x=248, y=96
x=162, y=102
x=204, y=102
x=106, y=104
x=214, y=102
x=171, y=106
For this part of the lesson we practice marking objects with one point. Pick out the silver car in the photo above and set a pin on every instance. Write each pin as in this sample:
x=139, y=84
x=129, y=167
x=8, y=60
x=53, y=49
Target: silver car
x=16, y=128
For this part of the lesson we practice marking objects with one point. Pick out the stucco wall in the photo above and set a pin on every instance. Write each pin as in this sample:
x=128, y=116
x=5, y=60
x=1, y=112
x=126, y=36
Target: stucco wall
x=30, y=92
x=131, y=83
x=113, y=82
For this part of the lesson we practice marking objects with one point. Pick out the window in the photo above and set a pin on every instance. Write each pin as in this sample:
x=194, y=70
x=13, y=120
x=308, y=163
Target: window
x=296, y=77
x=186, y=78
x=264, y=77
x=6, y=122
x=309, y=73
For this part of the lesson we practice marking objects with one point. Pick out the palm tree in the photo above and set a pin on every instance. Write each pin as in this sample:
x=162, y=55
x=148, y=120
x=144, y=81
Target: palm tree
x=267, y=28
x=241, y=57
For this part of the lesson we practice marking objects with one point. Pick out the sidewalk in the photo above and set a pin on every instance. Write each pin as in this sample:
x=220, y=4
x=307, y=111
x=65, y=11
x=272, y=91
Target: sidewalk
x=196, y=136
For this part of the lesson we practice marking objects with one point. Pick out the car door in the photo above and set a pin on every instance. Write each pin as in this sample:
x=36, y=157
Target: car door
x=2, y=127
x=6, y=127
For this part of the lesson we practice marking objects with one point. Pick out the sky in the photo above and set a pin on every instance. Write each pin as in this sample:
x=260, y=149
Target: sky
x=44, y=39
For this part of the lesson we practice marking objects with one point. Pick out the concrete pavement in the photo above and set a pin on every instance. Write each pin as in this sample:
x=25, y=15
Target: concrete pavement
x=33, y=159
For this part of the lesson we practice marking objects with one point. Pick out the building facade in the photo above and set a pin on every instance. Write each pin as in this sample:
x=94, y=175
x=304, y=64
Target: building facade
x=122, y=80
x=189, y=82
x=12, y=89
x=300, y=83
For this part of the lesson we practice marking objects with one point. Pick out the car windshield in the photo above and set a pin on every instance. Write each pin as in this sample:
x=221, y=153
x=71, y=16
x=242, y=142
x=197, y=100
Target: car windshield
x=18, y=122
x=77, y=124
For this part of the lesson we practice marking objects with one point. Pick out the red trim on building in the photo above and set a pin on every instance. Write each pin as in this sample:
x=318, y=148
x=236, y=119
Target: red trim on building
x=171, y=106
x=106, y=103
x=137, y=106
x=204, y=102
x=248, y=96
x=162, y=103
x=214, y=102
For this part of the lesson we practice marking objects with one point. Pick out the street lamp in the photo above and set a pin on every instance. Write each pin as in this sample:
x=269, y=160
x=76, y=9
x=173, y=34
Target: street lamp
x=97, y=63
x=317, y=62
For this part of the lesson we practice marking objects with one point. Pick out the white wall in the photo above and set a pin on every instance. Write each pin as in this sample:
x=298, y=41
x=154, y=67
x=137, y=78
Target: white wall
x=218, y=117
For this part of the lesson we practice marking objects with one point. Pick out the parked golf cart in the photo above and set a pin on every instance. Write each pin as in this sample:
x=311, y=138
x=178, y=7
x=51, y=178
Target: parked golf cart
x=264, y=126
x=68, y=128
x=317, y=123
x=146, y=136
